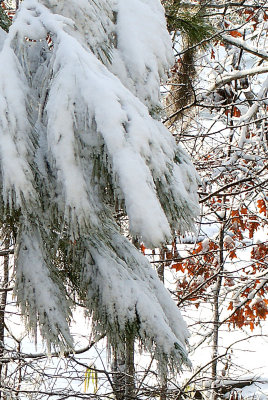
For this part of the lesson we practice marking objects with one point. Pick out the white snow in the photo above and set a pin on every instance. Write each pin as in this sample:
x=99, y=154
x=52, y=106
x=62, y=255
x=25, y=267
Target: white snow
x=77, y=138
x=3, y=35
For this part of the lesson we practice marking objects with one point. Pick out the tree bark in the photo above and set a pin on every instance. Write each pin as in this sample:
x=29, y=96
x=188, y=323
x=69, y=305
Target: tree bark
x=119, y=376
x=130, y=368
x=161, y=274
x=3, y=303
x=124, y=371
x=216, y=315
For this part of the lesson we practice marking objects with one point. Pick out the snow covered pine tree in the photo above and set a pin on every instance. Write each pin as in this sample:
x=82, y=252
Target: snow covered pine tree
x=80, y=140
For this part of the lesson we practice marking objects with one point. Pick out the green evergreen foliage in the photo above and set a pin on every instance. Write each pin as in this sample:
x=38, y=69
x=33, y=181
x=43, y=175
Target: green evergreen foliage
x=78, y=146
x=5, y=21
x=191, y=23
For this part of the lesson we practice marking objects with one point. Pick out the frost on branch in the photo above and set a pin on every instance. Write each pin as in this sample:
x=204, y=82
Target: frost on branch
x=16, y=144
x=85, y=147
x=38, y=288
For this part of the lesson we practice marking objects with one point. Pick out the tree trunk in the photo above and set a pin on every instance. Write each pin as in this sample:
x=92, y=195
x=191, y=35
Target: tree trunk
x=216, y=315
x=119, y=376
x=3, y=303
x=130, y=368
x=163, y=388
x=161, y=274
x=124, y=371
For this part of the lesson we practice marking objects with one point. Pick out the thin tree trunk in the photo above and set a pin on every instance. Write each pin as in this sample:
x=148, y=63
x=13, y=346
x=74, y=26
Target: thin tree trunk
x=3, y=303
x=161, y=274
x=130, y=368
x=216, y=315
x=130, y=389
x=123, y=364
x=119, y=376
x=19, y=372
x=124, y=371
x=163, y=388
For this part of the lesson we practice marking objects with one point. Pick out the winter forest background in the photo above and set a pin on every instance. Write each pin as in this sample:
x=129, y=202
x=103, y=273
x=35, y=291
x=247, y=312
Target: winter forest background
x=133, y=156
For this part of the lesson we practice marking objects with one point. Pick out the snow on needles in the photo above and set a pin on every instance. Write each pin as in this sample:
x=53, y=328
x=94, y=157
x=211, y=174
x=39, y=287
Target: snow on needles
x=15, y=143
x=41, y=297
x=83, y=142
x=144, y=47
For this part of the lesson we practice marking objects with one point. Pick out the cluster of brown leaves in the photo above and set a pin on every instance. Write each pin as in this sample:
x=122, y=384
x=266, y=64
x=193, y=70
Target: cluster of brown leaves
x=200, y=267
